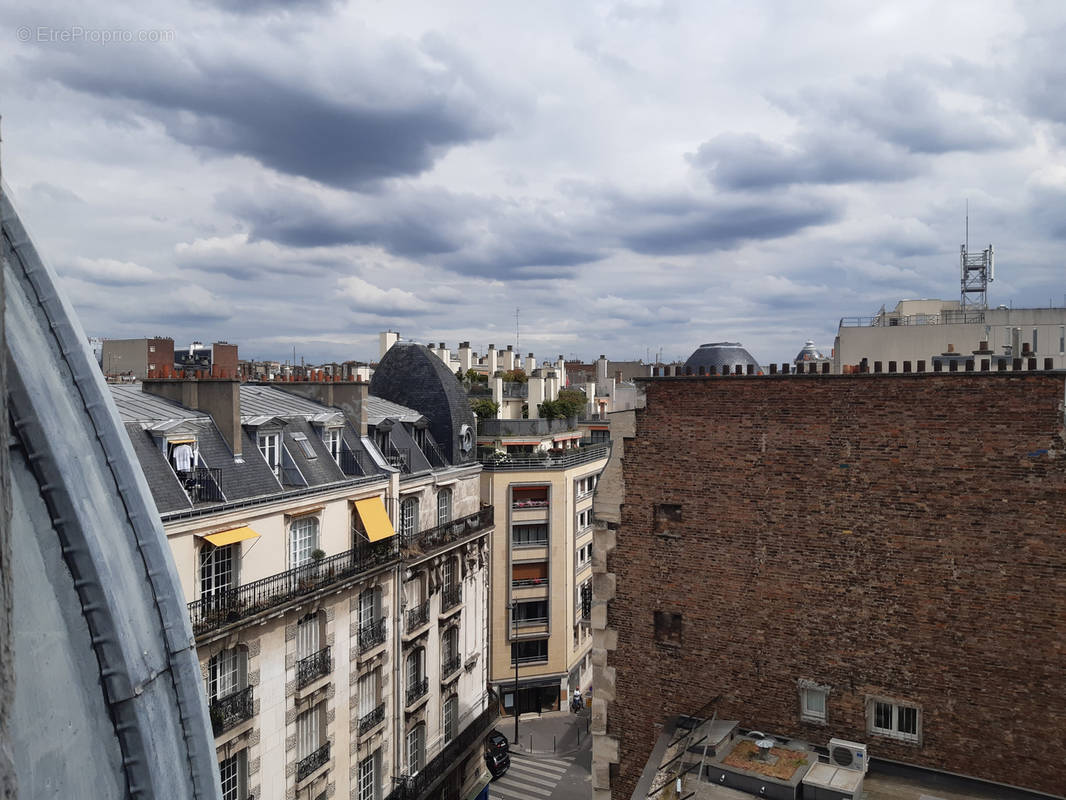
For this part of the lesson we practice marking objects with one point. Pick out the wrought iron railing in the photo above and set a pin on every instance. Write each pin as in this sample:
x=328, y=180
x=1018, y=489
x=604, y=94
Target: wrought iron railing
x=451, y=531
x=418, y=616
x=356, y=463
x=204, y=485
x=433, y=454
x=371, y=635
x=564, y=460
x=417, y=690
x=314, y=666
x=586, y=602
x=451, y=596
x=372, y=719
x=231, y=710
x=450, y=664
x=528, y=583
x=414, y=787
x=530, y=622
x=231, y=605
x=310, y=763
x=399, y=457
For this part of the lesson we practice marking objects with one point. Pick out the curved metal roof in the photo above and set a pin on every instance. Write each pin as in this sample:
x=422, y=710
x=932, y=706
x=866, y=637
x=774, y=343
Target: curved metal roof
x=808, y=353
x=103, y=649
x=719, y=354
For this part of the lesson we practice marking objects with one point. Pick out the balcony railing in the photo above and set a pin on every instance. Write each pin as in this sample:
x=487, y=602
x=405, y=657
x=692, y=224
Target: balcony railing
x=314, y=666
x=417, y=616
x=204, y=485
x=563, y=460
x=356, y=463
x=414, y=787
x=451, y=597
x=530, y=622
x=371, y=635
x=586, y=602
x=528, y=583
x=534, y=502
x=371, y=720
x=308, y=765
x=399, y=457
x=231, y=605
x=231, y=710
x=530, y=659
x=450, y=664
x=417, y=690
x=451, y=531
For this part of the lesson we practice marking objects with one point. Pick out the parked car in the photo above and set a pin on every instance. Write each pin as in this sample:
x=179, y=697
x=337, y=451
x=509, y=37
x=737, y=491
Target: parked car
x=497, y=753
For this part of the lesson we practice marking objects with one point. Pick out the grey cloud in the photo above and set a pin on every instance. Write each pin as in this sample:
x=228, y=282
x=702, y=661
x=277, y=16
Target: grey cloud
x=346, y=135
x=902, y=108
x=261, y=7
x=695, y=225
x=748, y=161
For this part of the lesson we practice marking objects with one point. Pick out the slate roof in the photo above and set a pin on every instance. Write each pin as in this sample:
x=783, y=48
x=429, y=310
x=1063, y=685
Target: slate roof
x=719, y=354
x=379, y=409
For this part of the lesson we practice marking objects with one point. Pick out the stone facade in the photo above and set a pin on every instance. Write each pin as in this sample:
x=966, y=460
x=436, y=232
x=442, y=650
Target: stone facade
x=887, y=537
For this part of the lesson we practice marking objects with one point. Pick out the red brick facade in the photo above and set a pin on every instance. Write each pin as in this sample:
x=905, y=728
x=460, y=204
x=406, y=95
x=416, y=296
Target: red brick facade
x=892, y=536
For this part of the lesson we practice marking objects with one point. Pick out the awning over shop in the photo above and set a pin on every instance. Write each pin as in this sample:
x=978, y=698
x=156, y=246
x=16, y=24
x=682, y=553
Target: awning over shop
x=375, y=519
x=223, y=538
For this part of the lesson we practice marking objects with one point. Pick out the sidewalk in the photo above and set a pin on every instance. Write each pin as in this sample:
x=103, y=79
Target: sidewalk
x=547, y=735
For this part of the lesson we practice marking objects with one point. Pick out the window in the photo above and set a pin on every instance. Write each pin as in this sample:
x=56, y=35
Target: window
x=308, y=636
x=449, y=646
x=303, y=540
x=584, y=555
x=369, y=769
x=416, y=748
x=667, y=627
x=529, y=535
x=369, y=692
x=444, y=506
x=585, y=486
x=217, y=569
x=584, y=519
x=416, y=670
x=451, y=717
x=305, y=445
x=269, y=447
x=532, y=613
x=529, y=575
x=409, y=517
x=225, y=673
x=813, y=699
x=369, y=606
x=583, y=600
x=234, y=774
x=891, y=718
x=1035, y=349
x=331, y=437
x=448, y=574
x=529, y=652
x=309, y=731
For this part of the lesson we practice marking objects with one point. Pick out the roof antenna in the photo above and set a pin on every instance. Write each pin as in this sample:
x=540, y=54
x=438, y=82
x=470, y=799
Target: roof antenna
x=967, y=224
x=517, y=345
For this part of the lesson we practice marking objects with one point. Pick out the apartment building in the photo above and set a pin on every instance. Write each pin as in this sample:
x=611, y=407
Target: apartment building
x=540, y=476
x=334, y=556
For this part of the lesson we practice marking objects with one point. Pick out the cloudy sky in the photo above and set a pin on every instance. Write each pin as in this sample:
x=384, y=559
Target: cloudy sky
x=632, y=175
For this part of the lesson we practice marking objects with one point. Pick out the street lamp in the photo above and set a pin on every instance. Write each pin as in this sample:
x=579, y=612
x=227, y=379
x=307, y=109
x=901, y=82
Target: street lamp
x=513, y=609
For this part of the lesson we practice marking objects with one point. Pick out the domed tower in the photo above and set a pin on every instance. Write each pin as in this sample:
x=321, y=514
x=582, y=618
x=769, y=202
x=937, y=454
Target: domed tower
x=727, y=355
x=409, y=374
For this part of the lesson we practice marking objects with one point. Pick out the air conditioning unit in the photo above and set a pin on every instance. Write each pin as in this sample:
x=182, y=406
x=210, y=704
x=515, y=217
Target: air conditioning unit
x=848, y=755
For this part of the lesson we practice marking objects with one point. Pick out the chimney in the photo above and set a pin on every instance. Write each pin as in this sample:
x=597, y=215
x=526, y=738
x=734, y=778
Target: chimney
x=220, y=398
x=465, y=357
x=387, y=339
x=531, y=364
x=508, y=359
x=444, y=354
x=494, y=360
x=348, y=397
x=497, y=389
x=601, y=368
x=536, y=393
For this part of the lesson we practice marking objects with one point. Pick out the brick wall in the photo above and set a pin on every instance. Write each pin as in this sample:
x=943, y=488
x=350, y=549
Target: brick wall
x=898, y=536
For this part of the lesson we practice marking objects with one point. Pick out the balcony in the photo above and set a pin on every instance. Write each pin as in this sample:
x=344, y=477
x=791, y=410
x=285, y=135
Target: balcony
x=369, y=721
x=530, y=622
x=450, y=665
x=529, y=583
x=370, y=636
x=356, y=463
x=586, y=603
x=523, y=503
x=204, y=485
x=416, y=691
x=313, y=667
x=415, y=787
x=434, y=538
x=417, y=616
x=451, y=597
x=306, y=766
x=231, y=710
x=232, y=605
x=565, y=459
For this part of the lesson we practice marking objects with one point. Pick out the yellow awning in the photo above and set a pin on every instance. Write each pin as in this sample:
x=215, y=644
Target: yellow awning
x=375, y=519
x=233, y=535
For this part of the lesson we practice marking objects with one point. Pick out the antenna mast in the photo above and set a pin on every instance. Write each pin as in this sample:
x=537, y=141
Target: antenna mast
x=517, y=341
x=977, y=270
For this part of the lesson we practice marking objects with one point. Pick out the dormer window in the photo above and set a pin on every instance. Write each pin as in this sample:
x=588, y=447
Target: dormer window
x=270, y=447
x=331, y=437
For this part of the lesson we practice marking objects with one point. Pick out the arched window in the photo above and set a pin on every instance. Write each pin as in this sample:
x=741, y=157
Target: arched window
x=409, y=517
x=303, y=540
x=444, y=506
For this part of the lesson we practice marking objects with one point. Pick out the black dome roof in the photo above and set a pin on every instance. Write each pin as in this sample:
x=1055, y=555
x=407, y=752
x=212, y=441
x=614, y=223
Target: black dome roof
x=720, y=354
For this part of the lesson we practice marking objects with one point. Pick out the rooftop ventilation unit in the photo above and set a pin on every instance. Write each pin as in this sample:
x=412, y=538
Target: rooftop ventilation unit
x=848, y=755
x=842, y=777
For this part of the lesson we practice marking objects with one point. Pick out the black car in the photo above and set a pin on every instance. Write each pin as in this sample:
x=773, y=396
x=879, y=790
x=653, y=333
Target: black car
x=497, y=755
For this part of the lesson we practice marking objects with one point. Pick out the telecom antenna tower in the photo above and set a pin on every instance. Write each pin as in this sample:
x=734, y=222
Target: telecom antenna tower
x=977, y=271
